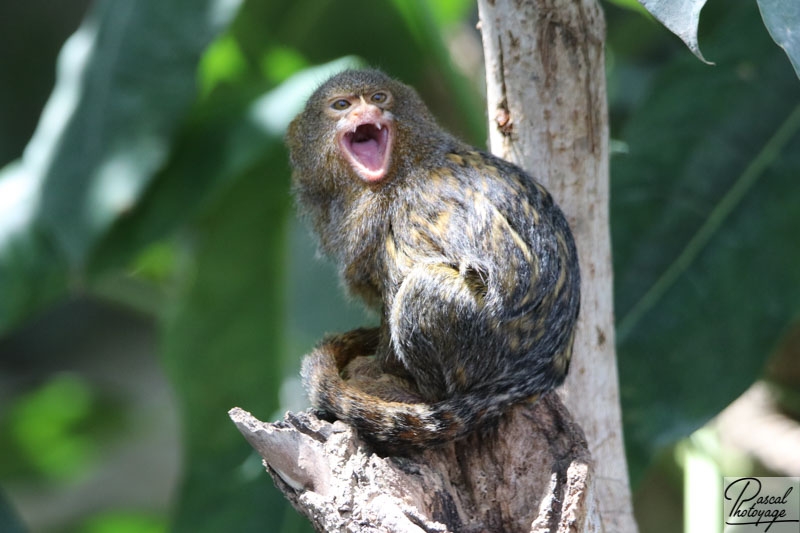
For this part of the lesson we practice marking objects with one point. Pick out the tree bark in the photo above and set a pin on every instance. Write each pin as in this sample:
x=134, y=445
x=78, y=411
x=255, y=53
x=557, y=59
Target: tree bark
x=546, y=94
x=531, y=474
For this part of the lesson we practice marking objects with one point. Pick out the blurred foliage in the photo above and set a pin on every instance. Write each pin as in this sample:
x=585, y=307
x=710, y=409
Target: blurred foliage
x=157, y=179
x=702, y=214
x=228, y=322
x=121, y=521
x=9, y=521
x=53, y=431
x=125, y=79
x=31, y=34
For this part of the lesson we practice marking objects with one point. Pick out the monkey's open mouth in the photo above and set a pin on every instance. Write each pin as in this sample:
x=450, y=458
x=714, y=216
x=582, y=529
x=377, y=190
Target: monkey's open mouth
x=368, y=148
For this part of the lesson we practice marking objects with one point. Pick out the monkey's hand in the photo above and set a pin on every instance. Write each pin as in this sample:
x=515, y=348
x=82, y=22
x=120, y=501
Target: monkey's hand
x=344, y=347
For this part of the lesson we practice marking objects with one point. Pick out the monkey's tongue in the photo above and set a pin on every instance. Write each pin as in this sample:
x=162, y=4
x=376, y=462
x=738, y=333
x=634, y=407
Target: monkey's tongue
x=368, y=153
x=367, y=145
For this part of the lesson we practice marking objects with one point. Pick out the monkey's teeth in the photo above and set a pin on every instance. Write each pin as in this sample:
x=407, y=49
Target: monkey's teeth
x=379, y=125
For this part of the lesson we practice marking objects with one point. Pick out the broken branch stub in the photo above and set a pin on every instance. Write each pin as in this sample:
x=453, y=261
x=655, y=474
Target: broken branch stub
x=531, y=473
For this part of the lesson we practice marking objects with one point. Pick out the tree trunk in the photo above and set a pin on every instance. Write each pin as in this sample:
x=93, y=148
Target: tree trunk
x=546, y=94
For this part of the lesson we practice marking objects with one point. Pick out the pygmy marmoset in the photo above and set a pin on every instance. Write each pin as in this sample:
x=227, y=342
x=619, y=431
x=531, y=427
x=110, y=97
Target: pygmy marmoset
x=466, y=258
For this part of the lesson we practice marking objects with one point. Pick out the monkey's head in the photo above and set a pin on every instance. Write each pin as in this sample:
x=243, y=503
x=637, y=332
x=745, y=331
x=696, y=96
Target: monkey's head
x=359, y=128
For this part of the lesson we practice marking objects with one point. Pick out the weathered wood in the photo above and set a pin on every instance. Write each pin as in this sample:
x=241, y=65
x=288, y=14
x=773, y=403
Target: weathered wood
x=546, y=94
x=532, y=473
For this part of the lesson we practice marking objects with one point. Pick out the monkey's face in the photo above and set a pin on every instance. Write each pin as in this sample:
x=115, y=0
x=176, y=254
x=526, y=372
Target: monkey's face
x=359, y=130
x=365, y=131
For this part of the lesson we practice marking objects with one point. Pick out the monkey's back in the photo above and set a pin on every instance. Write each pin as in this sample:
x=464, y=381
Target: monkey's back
x=477, y=222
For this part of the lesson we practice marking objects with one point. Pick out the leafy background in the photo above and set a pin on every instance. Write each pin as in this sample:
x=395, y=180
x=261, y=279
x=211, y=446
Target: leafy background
x=153, y=274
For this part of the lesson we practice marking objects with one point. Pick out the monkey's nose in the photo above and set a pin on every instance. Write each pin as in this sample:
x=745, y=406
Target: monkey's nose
x=366, y=113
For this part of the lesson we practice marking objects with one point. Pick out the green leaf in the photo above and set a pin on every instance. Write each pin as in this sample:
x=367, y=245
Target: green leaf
x=280, y=62
x=124, y=521
x=33, y=272
x=222, y=62
x=782, y=18
x=47, y=430
x=681, y=17
x=703, y=220
x=130, y=74
x=449, y=12
x=633, y=5
x=124, y=81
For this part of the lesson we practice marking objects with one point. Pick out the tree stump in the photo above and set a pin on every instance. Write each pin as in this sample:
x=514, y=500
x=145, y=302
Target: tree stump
x=530, y=473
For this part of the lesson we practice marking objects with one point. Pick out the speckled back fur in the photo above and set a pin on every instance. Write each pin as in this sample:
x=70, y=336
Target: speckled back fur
x=467, y=259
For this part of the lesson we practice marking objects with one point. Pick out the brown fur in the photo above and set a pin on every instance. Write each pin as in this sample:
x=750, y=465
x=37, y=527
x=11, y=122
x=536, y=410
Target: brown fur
x=470, y=264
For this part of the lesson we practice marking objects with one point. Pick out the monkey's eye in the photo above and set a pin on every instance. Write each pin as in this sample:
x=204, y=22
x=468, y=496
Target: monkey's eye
x=379, y=98
x=340, y=104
